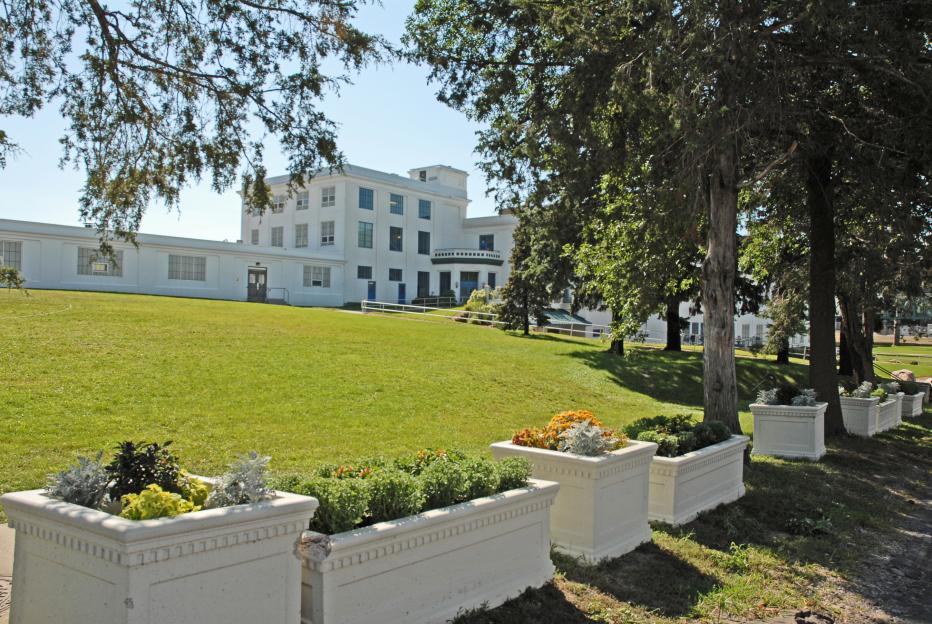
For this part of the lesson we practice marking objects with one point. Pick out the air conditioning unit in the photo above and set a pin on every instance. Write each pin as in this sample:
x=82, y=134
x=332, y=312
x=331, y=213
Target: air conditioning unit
x=100, y=267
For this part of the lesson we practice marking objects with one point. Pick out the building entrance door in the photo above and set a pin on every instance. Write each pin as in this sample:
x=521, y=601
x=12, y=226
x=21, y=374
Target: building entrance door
x=256, y=284
x=445, y=282
x=402, y=294
x=370, y=295
x=469, y=281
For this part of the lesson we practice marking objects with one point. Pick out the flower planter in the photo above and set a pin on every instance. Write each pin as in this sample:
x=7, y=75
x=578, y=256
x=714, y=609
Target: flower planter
x=888, y=413
x=795, y=432
x=232, y=565
x=860, y=415
x=926, y=390
x=601, y=510
x=912, y=405
x=430, y=566
x=682, y=487
x=898, y=416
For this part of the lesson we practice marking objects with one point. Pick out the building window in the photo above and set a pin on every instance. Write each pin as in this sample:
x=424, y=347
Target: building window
x=11, y=254
x=300, y=235
x=492, y=280
x=396, y=204
x=302, y=202
x=254, y=237
x=423, y=283
x=487, y=241
x=278, y=204
x=328, y=197
x=366, y=201
x=278, y=236
x=394, y=238
x=423, y=209
x=327, y=230
x=423, y=243
x=191, y=268
x=316, y=276
x=364, y=272
x=92, y=262
x=422, y=175
x=394, y=275
x=365, y=235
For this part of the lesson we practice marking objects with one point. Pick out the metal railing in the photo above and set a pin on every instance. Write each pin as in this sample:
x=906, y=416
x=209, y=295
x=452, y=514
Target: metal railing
x=437, y=302
x=456, y=253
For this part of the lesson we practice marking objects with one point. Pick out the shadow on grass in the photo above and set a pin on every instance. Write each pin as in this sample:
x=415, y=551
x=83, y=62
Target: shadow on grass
x=839, y=513
x=676, y=376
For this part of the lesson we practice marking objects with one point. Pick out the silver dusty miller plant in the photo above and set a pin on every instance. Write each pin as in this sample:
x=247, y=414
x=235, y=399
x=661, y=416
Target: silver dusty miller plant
x=244, y=482
x=805, y=398
x=584, y=438
x=85, y=483
x=891, y=387
x=768, y=397
x=863, y=391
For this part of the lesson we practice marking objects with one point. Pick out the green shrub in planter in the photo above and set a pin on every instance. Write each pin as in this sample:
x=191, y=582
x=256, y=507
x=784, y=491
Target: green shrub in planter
x=668, y=444
x=909, y=387
x=482, y=479
x=393, y=494
x=677, y=435
x=513, y=473
x=444, y=483
x=343, y=502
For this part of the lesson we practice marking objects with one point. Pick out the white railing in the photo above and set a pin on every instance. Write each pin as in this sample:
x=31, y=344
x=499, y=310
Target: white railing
x=466, y=254
x=485, y=318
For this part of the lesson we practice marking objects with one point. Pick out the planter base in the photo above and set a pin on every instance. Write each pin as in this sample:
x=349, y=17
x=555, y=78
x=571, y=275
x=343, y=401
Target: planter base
x=608, y=551
x=729, y=496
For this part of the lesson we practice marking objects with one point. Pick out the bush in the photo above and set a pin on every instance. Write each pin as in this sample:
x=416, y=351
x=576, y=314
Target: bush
x=482, y=479
x=677, y=435
x=84, y=483
x=343, y=503
x=244, y=482
x=193, y=489
x=393, y=494
x=880, y=393
x=416, y=463
x=909, y=387
x=153, y=502
x=513, y=473
x=443, y=483
x=849, y=388
x=135, y=467
x=549, y=437
x=787, y=394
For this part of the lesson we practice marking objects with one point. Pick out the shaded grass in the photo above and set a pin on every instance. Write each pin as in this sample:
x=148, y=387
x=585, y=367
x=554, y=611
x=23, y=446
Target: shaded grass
x=82, y=371
x=803, y=537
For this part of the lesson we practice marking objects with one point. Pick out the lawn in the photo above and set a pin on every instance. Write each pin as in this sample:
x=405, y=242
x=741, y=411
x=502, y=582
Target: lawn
x=83, y=371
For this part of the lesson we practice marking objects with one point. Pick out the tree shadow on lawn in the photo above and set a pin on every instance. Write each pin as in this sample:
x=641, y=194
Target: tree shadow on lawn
x=547, y=605
x=676, y=376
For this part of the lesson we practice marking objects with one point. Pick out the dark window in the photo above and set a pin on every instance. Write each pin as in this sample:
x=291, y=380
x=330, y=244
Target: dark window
x=422, y=175
x=423, y=243
x=394, y=275
x=445, y=282
x=423, y=209
x=394, y=238
x=423, y=283
x=396, y=204
x=366, y=198
x=363, y=272
x=364, y=237
x=487, y=241
x=492, y=281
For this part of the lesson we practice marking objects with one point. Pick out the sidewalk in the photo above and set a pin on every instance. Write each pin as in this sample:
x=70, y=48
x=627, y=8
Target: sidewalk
x=6, y=571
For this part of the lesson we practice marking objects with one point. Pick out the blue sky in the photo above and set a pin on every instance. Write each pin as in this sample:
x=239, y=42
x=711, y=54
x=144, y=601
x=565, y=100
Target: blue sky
x=389, y=120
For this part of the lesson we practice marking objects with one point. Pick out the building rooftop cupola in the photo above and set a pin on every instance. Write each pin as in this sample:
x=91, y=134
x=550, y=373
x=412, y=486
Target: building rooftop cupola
x=440, y=175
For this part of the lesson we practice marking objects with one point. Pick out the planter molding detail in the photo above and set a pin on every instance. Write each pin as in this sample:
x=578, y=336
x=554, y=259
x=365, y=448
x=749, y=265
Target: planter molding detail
x=682, y=487
x=888, y=413
x=232, y=565
x=860, y=415
x=601, y=510
x=912, y=405
x=431, y=566
x=795, y=432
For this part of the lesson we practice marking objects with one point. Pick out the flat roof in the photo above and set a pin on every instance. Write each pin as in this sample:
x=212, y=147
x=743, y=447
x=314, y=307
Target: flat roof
x=380, y=176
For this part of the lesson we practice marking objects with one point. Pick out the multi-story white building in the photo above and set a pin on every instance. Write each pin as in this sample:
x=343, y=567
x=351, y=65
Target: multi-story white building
x=400, y=238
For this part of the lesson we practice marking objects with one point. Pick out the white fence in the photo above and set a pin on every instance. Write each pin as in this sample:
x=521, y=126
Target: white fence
x=579, y=330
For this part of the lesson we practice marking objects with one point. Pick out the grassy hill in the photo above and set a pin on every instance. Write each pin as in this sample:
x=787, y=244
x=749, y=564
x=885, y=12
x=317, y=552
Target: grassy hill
x=82, y=371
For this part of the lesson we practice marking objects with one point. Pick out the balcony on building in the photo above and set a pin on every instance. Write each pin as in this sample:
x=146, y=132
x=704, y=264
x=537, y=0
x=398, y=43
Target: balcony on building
x=466, y=256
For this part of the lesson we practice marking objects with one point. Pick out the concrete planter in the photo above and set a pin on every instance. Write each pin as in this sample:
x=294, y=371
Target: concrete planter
x=926, y=390
x=888, y=413
x=860, y=415
x=912, y=405
x=431, y=566
x=900, y=398
x=682, y=487
x=795, y=432
x=601, y=510
x=231, y=565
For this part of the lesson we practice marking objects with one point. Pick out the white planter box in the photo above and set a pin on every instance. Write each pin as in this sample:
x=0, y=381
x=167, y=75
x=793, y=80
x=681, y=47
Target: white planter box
x=431, y=566
x=232, y=565
x=898, y=416
x=796, y=432
x=860, y=415
x=681, y=487
x=912, y=405
x=601, y=510
x=888, y=413
x=926, y=390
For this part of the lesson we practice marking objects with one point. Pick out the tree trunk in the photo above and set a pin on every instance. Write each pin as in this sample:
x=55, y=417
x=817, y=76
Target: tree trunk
x=819, y=201
x=783, y=353
x=869, y=317
x=618, y=346
x=896, y=328
x=845, y=365
x=853, y=321
x=527, y=315
x=674, y=338
x=720, y=388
